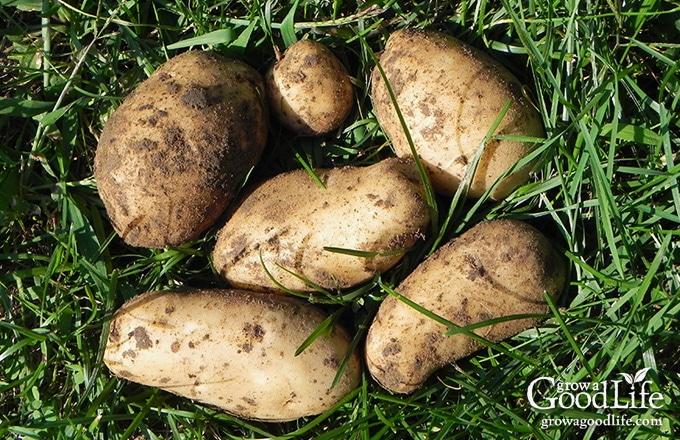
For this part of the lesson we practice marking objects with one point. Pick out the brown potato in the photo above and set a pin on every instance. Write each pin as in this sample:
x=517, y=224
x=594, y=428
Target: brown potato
x=496, y=269
x=172, y=156
x=234, y=350
x=309, y=89
x=287, y=222
x=450, y=94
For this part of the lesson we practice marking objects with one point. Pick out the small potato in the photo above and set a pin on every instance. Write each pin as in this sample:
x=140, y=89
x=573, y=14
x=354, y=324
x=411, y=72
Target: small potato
x=498, y=268
x=286, y=223
x=309, y=89
x=172, y=156
x=450, y=95
x=232, y=349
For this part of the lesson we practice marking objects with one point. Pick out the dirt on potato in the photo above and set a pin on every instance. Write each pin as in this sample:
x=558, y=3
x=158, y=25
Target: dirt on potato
x=172, y=156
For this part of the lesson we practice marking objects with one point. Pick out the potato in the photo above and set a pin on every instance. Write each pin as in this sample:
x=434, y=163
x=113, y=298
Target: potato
x=309, y=89
x=172, y=156
x=286, y=223
x=496, y=269
x=450, y=94
x=232, y=349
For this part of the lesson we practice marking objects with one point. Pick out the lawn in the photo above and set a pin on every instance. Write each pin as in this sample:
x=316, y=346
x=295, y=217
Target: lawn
x=605, y=78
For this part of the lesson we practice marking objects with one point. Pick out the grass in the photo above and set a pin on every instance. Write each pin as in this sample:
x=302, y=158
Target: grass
x=605, y=78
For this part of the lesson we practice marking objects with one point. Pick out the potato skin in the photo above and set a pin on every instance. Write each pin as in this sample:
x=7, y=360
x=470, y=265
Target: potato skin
x=309, y=89
x=497, y=268
x=172, y=156
x=232, y=349
x=288, y=220
x=450, y=94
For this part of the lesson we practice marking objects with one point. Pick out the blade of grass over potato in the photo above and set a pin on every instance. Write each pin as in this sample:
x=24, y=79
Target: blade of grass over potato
x=453, y=328
x=365, y=254
x=310, y=170
x=323, y=330
x=461, y=193
x=424, y=178
x=317, y=288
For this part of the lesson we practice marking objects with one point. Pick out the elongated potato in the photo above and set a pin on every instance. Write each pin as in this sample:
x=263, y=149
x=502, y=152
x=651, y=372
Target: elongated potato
x=232, y=349
x=289, y=224
x=172, y=156
x=496, y=269
x=450, y=94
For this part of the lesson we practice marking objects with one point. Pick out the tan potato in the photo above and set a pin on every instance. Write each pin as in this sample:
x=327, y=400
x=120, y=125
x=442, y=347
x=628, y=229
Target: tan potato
x=309, y=89
x=172, y=156
x=496, y=269
x=234, y=350
x=286, y=223
x=450, y=94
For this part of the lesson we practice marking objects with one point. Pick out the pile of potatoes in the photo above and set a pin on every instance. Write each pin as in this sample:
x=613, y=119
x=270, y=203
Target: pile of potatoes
x=176, y=153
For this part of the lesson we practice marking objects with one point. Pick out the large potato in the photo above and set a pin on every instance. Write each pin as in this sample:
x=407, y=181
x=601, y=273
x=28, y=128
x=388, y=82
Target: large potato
x=450, y=94
x=309, y=89
x=496, y=269
x=232, y=349
x=285, y=224
x=172, y=156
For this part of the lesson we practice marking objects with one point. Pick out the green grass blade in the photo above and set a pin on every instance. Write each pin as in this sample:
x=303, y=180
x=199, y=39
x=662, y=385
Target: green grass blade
x=288, y=26
x=425, y=179
x=214, y=38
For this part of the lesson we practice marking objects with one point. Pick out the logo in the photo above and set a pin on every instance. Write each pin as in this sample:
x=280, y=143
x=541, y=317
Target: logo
x=631, y=392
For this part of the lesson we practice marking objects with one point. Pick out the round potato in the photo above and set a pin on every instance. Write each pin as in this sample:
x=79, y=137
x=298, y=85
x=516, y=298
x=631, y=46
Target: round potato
x=234, y=350
x=300, y=234
x=450, y=95
x=309, y=89
x=172, y=156
x=496, y=269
